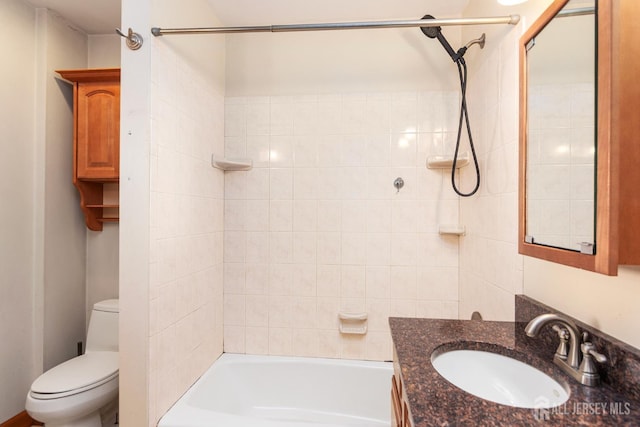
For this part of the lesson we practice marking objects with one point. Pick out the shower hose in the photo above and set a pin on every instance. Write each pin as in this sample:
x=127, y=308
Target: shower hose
x=464, y=117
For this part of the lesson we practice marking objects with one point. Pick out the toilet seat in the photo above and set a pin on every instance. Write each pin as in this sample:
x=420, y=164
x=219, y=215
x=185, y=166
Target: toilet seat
x=77, y=375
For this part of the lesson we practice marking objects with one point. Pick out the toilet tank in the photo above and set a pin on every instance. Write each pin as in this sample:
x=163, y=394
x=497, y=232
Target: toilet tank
x=103, y=326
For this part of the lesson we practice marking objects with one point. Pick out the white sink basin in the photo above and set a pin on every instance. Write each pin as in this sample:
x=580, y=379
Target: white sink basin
x=499, y=379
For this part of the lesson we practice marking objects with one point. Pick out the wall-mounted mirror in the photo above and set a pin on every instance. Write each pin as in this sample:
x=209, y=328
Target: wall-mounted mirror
x=561, y=125
x=577, y=157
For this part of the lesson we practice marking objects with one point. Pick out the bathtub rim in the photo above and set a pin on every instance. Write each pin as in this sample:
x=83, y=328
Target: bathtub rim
x=175, y=415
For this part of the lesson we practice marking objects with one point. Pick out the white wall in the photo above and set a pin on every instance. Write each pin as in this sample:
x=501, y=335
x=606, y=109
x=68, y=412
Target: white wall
x=490, y=264
x=43, y=284
x=102, y=265
x=134, y=223
x=172, y=209
x=331, y=62
x=64, y=238
x=605, y=302
x=102, y=246
x=19, y=357
x=104, y=50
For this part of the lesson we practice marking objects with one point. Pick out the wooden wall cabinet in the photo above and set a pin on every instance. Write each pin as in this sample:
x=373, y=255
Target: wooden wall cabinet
x=617, y=150
x=96, y=142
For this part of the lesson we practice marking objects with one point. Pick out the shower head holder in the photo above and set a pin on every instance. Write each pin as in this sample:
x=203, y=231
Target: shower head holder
x=435, y=32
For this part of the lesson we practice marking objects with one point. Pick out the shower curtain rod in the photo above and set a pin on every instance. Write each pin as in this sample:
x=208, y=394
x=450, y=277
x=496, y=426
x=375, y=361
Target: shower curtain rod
x=579, y=11
x=511, y=19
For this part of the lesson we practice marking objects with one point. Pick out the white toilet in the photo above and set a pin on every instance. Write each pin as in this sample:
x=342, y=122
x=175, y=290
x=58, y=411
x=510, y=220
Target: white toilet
x=73, y=393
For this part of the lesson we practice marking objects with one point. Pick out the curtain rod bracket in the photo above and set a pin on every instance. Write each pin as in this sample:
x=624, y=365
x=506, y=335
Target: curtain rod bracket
x=134, y=40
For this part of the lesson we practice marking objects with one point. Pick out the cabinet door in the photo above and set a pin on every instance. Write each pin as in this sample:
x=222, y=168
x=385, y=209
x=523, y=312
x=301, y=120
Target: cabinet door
x=98, y=131
x=396, y=404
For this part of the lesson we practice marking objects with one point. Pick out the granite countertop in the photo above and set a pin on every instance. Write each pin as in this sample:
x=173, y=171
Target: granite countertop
x=433, y=401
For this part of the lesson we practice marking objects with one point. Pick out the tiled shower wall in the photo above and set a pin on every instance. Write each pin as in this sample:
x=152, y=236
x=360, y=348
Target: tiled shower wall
x=186, y=234
x=490, y=266
x=317, y=228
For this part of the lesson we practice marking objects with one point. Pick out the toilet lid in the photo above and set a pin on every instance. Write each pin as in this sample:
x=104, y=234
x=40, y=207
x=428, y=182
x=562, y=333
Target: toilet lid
x=80, y=372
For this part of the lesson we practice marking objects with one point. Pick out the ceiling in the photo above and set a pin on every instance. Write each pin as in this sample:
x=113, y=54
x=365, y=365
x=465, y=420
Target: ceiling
x=103, y=16
x=91, y=16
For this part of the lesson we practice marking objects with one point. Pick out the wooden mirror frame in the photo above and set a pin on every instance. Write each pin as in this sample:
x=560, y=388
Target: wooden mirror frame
x=605, y=259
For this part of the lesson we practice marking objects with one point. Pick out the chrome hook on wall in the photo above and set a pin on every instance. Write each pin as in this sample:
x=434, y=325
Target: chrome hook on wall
x=134, y=40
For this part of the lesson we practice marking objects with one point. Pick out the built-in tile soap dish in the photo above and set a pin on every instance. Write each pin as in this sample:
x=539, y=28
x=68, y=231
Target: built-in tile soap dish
x=445, y=162
x=353, y=323
x=231, y=164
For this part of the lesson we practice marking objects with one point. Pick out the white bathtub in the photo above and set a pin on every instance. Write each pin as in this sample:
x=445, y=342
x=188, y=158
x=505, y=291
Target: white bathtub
x=270, y=391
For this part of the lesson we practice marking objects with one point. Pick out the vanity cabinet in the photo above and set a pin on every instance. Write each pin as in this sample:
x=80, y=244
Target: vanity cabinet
x=96, y=142
x=399, y=406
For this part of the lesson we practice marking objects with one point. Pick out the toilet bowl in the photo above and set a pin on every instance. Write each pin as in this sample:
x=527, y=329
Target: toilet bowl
x=73, y=393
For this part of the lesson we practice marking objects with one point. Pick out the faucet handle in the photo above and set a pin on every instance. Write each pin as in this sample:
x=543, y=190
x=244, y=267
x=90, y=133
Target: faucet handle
x=589, y=353
x=563, y=347
x=589, y=349
x=600, y=358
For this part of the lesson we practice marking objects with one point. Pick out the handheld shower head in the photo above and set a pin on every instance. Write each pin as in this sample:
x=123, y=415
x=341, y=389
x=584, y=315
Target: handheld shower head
x=436, y=33
x=431, y=32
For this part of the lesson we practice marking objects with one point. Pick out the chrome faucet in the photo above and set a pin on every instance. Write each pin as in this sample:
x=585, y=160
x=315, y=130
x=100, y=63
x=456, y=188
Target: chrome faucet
x=572, y=344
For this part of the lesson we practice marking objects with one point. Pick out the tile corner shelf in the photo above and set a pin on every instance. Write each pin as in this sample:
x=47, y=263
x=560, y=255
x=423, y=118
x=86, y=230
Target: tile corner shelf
x=231, y=164
x=445, y=162
x=452, y=229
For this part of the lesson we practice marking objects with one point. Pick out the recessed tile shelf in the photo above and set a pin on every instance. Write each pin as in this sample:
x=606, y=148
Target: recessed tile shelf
x=231, y=164
x=445, y=162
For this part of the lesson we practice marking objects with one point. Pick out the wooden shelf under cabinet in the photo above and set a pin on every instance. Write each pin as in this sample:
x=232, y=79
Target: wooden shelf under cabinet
x=96, y=141
x=108, y=219
x=97, y=199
